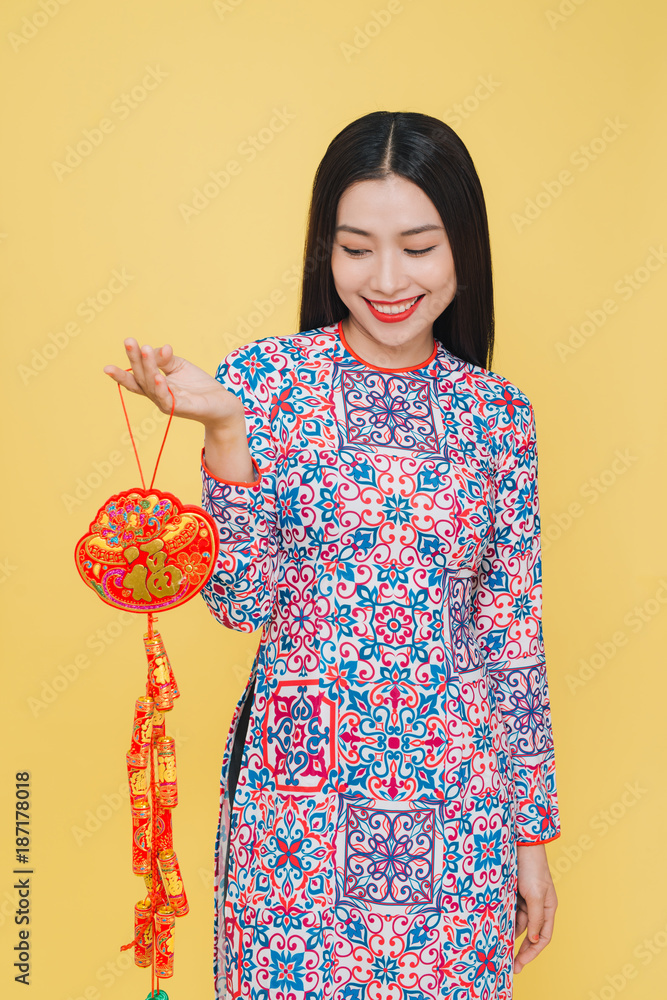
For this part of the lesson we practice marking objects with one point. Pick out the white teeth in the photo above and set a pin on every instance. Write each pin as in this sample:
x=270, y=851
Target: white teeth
x=390, y=310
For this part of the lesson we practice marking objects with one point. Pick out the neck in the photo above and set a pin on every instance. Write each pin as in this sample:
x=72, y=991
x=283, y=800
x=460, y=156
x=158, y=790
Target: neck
x=416, y=351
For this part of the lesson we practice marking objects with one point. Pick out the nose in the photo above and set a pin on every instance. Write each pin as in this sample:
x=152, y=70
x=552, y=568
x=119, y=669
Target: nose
x=389, y=277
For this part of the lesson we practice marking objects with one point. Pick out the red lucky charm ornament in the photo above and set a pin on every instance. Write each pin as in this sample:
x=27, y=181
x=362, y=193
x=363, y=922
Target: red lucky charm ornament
x=146, y=552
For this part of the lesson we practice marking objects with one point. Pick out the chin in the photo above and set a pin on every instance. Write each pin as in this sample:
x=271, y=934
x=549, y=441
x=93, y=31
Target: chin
x=390, y=333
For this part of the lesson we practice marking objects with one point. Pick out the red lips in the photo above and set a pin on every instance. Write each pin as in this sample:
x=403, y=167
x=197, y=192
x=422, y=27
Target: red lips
x=393, y=317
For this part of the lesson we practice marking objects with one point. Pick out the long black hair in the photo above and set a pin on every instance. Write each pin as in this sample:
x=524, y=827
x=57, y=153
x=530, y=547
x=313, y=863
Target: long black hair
x=429, y=153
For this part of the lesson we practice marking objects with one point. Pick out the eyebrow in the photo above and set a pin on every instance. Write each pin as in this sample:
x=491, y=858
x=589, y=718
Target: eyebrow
x=408, y=232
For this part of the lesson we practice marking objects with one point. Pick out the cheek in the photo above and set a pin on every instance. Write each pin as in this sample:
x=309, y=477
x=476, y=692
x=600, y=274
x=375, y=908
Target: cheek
x=346, y=276
x=442, y=278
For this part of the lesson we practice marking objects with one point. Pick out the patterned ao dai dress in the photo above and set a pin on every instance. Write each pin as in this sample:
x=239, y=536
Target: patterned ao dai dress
x=394, y=742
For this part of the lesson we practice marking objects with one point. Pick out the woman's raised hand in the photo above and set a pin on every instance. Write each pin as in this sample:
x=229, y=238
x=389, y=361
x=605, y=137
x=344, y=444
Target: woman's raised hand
x=197, y=395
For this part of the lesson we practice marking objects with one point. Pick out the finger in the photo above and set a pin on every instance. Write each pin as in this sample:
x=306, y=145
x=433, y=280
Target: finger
x=133, y=352
x=528, y=951
x=156, y=384
x=126, y=379
x=547, y=930
x=164, y=394
x=166, y=360
x=522, y=957
x=164, y=356
x=549, y=912
x=533, y=944
x=534, y=901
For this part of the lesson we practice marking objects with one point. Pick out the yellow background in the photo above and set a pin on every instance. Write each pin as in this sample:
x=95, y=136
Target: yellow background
x=554, y=74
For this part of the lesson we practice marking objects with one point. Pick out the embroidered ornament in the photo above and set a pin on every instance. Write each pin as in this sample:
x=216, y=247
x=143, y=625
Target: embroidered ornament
x=146, y=552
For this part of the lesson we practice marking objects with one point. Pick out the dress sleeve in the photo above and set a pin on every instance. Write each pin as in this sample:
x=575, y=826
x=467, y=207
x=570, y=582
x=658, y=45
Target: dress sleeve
x=507, y=623
x=241, y=592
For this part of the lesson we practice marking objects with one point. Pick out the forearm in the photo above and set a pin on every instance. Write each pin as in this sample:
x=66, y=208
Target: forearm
x=241, y=591
x=226, y=451
x=532, y=851
x=521, y=695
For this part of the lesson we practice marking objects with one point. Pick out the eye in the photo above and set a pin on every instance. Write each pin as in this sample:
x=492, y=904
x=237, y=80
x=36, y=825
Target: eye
x=413, y=253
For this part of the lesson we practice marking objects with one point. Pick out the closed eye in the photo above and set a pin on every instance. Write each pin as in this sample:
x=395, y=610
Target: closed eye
x=413, y=253
x=418, y=253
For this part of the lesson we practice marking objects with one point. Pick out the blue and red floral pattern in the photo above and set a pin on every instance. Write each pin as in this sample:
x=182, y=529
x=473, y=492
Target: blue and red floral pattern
x=399, y=743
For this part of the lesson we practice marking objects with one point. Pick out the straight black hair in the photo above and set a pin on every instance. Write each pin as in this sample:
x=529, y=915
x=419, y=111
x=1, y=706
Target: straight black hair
x=429, y=153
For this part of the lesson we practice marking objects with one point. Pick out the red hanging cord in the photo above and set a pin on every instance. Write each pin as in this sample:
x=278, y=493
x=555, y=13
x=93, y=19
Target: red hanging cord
x=136, y=453
x=155, y=980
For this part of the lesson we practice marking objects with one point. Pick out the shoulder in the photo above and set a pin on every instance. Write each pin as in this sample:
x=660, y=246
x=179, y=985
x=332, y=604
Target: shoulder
x=502, y=410
x=258, y=363
x=498, y=399
x=266, y=362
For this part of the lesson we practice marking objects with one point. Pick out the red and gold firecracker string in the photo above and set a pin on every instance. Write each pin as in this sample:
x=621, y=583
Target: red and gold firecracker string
x=146, y=552
x=151, y=767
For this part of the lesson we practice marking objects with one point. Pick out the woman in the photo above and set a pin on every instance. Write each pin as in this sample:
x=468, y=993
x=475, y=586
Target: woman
x=389, y=781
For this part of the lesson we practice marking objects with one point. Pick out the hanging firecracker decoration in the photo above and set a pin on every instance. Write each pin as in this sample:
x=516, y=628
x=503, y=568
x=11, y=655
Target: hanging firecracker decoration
x=146, y=552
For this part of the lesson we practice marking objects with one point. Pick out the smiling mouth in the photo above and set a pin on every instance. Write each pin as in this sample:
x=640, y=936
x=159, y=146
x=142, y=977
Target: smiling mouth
x=393, y=312
x=394, y=308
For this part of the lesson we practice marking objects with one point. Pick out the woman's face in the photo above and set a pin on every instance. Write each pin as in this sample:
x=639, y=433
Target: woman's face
x=390, y=246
